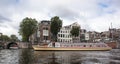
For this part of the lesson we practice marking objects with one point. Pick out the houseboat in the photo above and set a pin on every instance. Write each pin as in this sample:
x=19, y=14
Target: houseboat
x=73, y=46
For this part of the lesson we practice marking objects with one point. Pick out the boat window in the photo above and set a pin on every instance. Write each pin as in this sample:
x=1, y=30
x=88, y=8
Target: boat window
x=98, y=45
x=84, y=45
x=90, y=45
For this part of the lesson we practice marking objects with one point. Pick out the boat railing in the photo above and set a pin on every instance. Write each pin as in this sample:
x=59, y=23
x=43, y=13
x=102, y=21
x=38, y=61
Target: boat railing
x=103, y=45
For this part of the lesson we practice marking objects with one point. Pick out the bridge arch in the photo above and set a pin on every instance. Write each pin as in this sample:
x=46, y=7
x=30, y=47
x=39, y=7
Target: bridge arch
x=11, y=44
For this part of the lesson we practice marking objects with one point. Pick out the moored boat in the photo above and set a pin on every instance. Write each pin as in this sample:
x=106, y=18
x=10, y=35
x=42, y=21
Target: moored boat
x=14, y=48
x=73, y=46
x=112, y=44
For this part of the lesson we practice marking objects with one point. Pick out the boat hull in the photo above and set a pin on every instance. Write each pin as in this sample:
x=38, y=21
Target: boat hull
x=14, y=48
x=37, y=48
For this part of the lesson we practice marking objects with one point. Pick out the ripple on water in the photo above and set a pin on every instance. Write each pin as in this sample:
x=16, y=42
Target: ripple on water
x=59, y=57
x=8, y=56
x=115, y=56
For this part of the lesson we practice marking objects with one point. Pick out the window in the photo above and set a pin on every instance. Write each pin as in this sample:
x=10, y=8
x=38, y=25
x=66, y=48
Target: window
x=61, y=31
x=66, y=36
x=84, y=45
x=84, y=31
x=63, y=35
x=60, y=40
x=90, y=45
x=45, y=28
x=58, y=35
x=45, y=33
x=45, y=37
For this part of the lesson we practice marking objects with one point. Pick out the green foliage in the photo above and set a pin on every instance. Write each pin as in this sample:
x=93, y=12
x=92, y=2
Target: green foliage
x=27, y=27
x=13, y=38
x=5, y=38
x=75, y=31
x=56, y=24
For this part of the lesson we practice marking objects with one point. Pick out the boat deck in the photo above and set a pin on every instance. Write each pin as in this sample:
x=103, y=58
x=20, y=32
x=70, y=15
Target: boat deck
x=71, y=48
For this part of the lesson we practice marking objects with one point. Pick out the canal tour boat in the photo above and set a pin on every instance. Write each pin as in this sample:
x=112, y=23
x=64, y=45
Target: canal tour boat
x=73, y=46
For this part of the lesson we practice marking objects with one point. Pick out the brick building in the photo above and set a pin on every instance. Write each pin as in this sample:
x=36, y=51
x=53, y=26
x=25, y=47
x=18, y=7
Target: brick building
x=44, y=29
x=42, y=35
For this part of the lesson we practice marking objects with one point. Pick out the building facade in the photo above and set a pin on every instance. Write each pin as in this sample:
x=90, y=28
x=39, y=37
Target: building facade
x=44, y=32
x=83, y=35
x=92, y=36
x=42, y=35
x=65, y=36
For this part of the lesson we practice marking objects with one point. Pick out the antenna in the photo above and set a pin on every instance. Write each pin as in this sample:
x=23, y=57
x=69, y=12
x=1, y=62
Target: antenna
x=111, y=31
x=111, y=25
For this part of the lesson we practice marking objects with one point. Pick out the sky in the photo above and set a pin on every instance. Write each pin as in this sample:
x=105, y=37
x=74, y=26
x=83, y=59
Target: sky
x=92, y=15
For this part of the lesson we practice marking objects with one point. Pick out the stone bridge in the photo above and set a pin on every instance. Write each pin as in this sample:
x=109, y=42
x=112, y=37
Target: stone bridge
x=7, y=45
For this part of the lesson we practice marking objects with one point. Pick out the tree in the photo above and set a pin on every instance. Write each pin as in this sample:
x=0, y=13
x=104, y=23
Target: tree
x=56, y=24
x=5, y=38
x=27, y=27
x=13, y=38
x=75, y=32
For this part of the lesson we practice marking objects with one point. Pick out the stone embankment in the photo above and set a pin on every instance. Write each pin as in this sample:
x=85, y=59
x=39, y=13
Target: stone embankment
x=23, y=44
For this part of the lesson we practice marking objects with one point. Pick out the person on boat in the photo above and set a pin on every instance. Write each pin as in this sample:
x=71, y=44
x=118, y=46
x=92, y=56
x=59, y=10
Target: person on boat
x=53, y=44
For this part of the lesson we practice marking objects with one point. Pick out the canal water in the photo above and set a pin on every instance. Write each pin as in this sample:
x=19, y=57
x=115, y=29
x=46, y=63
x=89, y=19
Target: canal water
x=29, y=56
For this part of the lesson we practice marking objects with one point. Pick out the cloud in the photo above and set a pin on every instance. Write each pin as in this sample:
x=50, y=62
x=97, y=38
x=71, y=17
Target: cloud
x=2, y=25
x=8, y=2
x=4, y=19
x=90, y=14
x=64, y=13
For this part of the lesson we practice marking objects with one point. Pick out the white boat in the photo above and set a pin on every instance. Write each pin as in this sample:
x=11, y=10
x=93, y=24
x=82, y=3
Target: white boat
x=73, y=46
x=13, y=47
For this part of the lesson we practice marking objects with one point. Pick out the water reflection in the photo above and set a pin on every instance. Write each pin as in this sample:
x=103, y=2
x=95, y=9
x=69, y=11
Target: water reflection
x=115, y=56
x=76, y=57
x=53, y=59
x=68, y=57
x=9, y=56
x=26, y=56
x=46, y=57
x=29, y=56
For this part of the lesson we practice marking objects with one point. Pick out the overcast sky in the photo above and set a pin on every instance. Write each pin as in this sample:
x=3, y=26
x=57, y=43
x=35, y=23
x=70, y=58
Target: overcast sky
x=94, y=15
